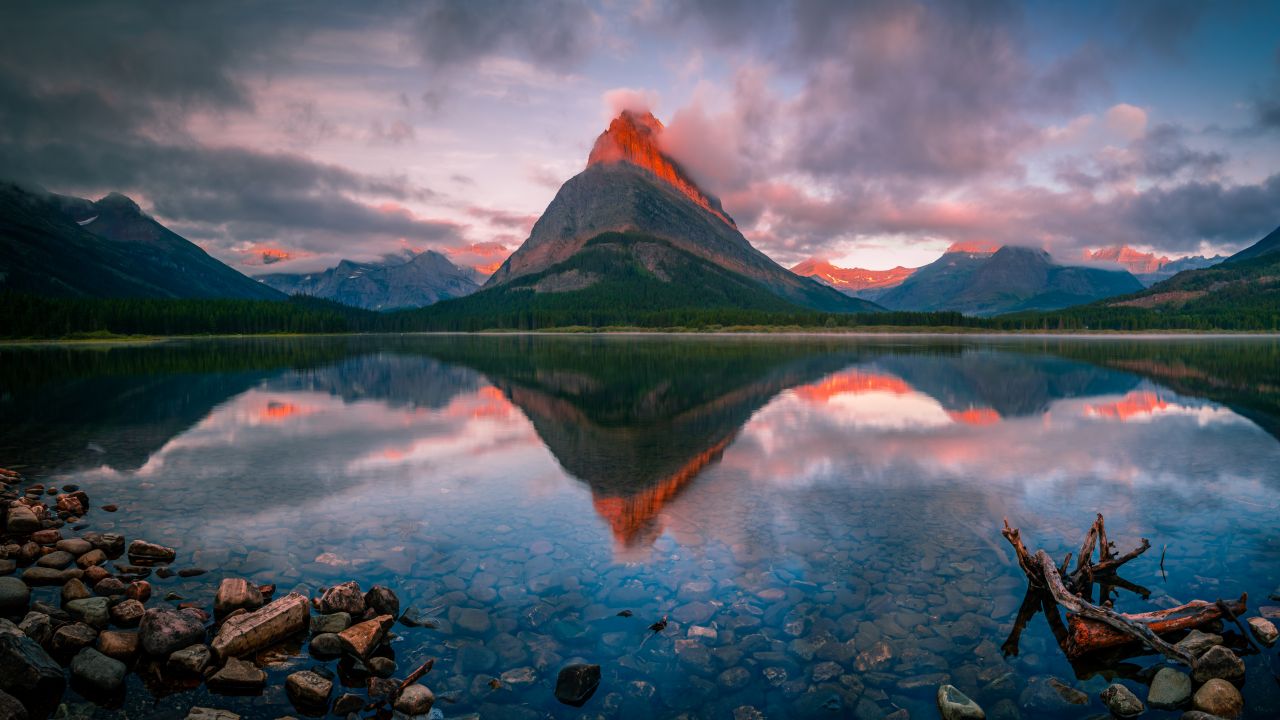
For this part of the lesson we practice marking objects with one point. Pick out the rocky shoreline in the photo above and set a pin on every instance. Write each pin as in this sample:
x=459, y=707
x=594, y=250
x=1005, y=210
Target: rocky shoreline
x=103, y=622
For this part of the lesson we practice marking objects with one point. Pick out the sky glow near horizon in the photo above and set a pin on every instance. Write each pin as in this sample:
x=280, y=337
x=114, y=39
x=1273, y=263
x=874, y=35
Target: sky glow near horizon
x=873, y=134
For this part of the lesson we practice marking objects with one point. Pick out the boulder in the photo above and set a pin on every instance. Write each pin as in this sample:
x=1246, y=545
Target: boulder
x=94, y=611
x=1218, y=697
x=191, y=660
x=1170, y=688
x=165, y=629
x=576, y=683
x=236, y=593
x=238, y=676
x=955, y=705
x=1264, y=630
x=1121, y=701
x=142, y=552
x=382, y=600
x=95, y=670
x=1218, y=662
x=14, y=596
x=345, y=598
x=119, y=645
x=263, y=627
x=362, y=638
x=29, y=674
x=308, y=690
x=416, y=699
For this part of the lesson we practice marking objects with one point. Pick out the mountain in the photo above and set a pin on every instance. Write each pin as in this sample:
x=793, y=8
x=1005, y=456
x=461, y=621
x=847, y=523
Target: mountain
x=976, y=281
x=855, y=282
x=67, y=246
x=1246, y=282
x=1148, y=267
x=634, y=221
x=396, y=282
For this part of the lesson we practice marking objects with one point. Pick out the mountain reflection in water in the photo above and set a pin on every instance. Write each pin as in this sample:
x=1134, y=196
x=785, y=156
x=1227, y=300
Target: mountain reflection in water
x=846, y=489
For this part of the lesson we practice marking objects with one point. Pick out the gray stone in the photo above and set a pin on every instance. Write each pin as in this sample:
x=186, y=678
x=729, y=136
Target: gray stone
x=35, y=576
x=14, y=596
x=325, y=646
x=1197, y=715
x=68, y=639
x=347, y=704
x=75, y=546
x=238, y=676
x=1218, y=697
x=576, y=683
x=95, y=611
x=308, y=690
x=29, y=674
x=1197, y=643
x=955, y=705
x=74, y=589
x=1218, y=662
x=382, y=600
x=191, y=660
x=57, y=560
x=416, y=699
x=1121, y=701
x=333, y=623
x=471, y=620
x=381, y=666
x=165, y=629
x=1170, y=688
x=97, y=671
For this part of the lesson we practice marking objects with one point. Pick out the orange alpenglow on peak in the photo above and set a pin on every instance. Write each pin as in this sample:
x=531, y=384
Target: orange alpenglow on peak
x=975, y=247
x=1132, y=260
x=851, y=278
x=633, y=138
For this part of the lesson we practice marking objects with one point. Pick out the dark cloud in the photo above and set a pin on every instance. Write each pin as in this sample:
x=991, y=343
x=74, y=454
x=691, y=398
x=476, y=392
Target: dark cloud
x=1161, y=153
x=557, y=34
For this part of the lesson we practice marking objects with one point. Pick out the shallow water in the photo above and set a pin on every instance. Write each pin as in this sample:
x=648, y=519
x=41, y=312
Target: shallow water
x=818, y=518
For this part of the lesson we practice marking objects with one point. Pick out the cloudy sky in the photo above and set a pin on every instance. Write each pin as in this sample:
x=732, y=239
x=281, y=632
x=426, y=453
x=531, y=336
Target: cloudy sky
x=871, y=133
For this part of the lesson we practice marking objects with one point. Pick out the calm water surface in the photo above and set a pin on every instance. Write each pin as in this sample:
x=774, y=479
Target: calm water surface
x=818, y=518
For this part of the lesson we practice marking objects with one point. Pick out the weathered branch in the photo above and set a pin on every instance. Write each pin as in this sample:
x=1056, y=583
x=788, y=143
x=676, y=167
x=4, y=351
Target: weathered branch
x=1134, y=630
x=1090, y=635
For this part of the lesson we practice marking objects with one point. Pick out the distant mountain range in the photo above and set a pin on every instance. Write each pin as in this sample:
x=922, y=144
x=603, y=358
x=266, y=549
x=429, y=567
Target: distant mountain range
x=68, y=246
x=633, y=233
x=1149, y=268
x=852, y=281
x=396, y=282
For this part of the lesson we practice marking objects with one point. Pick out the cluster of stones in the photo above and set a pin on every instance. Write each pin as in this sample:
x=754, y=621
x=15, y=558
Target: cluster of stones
x=1210, y=691
x=102, y=626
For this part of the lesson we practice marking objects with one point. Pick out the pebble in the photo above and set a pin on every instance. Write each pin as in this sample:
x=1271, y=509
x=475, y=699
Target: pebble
x=1170, y=688
x=97, y=671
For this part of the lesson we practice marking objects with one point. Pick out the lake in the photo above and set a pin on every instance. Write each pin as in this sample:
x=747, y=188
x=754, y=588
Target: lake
x=818, y=518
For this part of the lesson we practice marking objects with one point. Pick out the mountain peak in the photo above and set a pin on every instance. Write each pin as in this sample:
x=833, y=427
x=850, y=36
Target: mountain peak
x=120, y=203
x=1133, y=260
x=974, y=247
x=634, y=138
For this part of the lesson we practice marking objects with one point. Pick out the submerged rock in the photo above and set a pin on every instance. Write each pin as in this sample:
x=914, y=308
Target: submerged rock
x=97, y=671
x=955, y=705
x=1218, y=697
x=576, y=683
x=1121, y=701
x=416, y=699
x=1169, y=689
x=142, y=552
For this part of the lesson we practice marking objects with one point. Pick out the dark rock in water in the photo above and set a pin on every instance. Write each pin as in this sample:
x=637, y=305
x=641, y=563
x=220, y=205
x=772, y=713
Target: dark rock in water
x=142, y=552
x=238, y=676
x=382, y=600
x=191, y=660
x=109, y=586
x=326, y=646
x=1121, y=701
x=57, y=559
x=334, y=623
x=74, y=589
x=94, y=611
x=7, y=566
x=29, y=674
x=75, y=546
x=10, y=708
x=381, y=688
x=347, y=704
x=69, y=639
x=345, y=598
x=955, y=705
x=164, y=630
x=14, y=596
x=97, y=671
x=38, y=627
x=128, y=613
x=576, y=683
x=382, y=666
x=1218, y=697
x=48, y=576
x=1218, y=662
x=119, y=645
x=139, y=590
x=191, y=572
x=416, y=699
x=22, y=520
x=308, y=690
x=1170, y=688
x=263, y=627
x=362, y=638
x=1197, y=643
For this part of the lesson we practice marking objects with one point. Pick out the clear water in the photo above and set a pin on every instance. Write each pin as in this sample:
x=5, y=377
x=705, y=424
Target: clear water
x=817, y=518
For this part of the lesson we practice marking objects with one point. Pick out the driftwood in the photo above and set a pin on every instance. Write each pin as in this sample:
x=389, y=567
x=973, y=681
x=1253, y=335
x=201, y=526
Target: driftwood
x=1091, y=627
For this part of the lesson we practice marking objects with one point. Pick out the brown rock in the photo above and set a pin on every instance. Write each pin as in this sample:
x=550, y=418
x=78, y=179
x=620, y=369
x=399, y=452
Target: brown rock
x=128, y=613
x=235, y=593
x=142, y=552
x=119, y=645
x=362, y=638
x=91, y=558
x=345, y=598
x=74, y=589
x=1218, y=697
x=265, y=626
x=238, y=676
x=95, y=574
x=69, y=639
x=43, y=537
x=139, y=590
